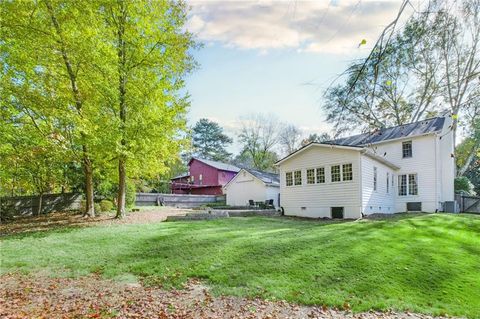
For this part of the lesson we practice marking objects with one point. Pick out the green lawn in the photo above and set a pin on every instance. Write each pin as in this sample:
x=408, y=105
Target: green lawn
x=421, y=263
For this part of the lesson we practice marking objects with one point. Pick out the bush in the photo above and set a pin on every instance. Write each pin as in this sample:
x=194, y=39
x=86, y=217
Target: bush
x=131, y=195
x=106, y=205
x=97, y=208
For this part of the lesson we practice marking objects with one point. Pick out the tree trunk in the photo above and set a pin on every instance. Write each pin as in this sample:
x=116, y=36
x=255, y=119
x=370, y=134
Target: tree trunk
x=87, y=163
x=89, y=197
x=40, y=202
x=121, y=188
x=122, y=81
x=462, y=170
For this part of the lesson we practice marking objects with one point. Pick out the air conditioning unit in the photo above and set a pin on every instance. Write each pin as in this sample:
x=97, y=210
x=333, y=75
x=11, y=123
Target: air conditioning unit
x=451, y=207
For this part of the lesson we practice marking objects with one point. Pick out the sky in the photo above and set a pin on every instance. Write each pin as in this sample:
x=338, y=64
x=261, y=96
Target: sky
x=276, y=57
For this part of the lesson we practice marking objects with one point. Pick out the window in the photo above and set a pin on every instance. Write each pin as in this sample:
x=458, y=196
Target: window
x=374, y=178
x=335, y=172
x=347, y=172
x=407, y=149
x=320, y=175
x=192, y=179
x=200, y=178
x=393, y=181
x=412, y=184
x=410, y=188
x=388, y=182
x=297, y=177
x=289, y=178
x=311, y=176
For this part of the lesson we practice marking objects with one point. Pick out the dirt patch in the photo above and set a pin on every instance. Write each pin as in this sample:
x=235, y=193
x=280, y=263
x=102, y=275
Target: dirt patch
x=93, y=297
x=71, y=219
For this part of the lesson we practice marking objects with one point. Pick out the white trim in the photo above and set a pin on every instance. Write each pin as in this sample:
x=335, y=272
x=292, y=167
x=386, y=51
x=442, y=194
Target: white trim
x=352, y=148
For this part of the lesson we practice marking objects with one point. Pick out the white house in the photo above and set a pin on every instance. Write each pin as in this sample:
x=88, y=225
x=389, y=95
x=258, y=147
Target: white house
x=404, y=168
x=250, y=184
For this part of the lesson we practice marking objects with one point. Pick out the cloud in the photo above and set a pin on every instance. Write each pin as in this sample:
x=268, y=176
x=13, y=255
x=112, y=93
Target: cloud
x=337, y=26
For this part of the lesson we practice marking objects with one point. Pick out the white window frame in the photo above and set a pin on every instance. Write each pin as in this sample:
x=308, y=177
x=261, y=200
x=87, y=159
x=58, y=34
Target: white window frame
x=314, y=177
x=295, y=177
x=287, y=179
x=324, y=175
x=411, y=149
x=351, y=172
x=407, y=184
x=339, y=173
x=388, y=182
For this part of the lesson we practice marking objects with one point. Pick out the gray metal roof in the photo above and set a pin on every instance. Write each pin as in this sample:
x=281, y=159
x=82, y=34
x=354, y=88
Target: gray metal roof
x=267, y=178
x=219, y=165
x=407, y=130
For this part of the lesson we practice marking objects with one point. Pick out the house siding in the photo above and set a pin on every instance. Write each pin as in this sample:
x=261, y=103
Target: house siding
x=245, y=187
x=316, y=200
x=423, y=163
x=379, y=200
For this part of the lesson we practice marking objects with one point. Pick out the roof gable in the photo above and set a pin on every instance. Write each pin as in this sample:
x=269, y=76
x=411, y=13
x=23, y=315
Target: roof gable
x=269, y=179
x=402, y=131
x=312, y=144
x=218, y=165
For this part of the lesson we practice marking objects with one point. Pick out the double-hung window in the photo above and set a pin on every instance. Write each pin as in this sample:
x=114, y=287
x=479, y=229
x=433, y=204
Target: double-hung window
x=407, y=184
x=335, y=173
x=407, y=149
x=320, y=175
x=297, y=177
x=375, y=182
x=311, y=176
x=388, y=182
x=289, y=178
x=347, y=172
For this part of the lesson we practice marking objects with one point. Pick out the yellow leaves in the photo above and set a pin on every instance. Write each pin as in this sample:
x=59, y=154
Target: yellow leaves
x=455, y=116
x=363, y=42
x=388, y=82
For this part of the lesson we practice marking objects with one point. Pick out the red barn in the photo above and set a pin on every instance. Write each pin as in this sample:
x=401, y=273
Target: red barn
x=205, y=177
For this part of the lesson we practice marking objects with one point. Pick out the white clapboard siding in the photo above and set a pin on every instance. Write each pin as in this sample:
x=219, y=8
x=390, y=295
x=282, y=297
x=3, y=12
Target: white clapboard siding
x=379, y=200
x=245, y=187
x=422, y=163
x=316, y=200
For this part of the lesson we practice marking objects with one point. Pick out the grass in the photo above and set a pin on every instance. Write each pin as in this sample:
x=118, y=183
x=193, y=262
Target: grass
x=422, y=263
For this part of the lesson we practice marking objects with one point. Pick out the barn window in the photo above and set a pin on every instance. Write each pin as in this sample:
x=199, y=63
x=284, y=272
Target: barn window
x=289, y=178
x=200, y=179
x=347, y=172
x=335, y=172
x=407, y=149
x=297, y=177
x=320, y=175
x=311, y=176
x=375, y=178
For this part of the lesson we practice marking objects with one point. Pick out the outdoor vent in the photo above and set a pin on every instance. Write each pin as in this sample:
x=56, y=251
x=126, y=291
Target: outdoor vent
x=303, y=208
x=414, y=206
x=337, y=212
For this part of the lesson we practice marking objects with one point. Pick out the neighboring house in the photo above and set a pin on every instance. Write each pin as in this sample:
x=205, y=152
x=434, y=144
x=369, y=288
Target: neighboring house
x=250, y=184
x=204, y=177
x=404, y=168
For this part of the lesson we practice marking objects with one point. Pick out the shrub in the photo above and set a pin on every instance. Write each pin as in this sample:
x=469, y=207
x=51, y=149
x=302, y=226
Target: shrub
x=106, y=205
x=97, y=208
x=130, y=195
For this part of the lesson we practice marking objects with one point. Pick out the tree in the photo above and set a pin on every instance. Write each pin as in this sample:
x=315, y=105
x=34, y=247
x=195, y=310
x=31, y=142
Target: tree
x=324, y=137
x=46, y=53
x=259, y=136
x=289, y=138
x=209, y=141
x=411, y=74
x=149, y=56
